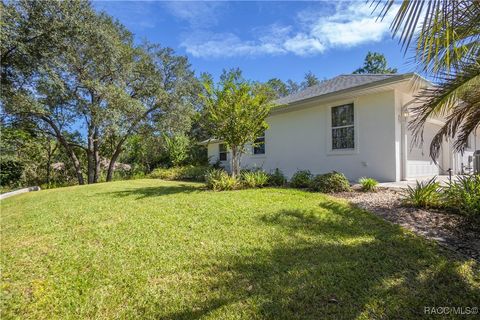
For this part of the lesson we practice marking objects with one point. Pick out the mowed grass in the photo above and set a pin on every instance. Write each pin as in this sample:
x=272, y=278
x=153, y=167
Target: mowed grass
x=172, y=250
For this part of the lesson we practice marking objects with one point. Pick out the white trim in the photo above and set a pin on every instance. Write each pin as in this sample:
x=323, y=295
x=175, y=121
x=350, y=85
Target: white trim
x=338, y=152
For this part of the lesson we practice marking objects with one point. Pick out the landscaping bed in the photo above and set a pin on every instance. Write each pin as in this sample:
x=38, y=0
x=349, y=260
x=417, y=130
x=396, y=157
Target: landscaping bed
x=450, y=230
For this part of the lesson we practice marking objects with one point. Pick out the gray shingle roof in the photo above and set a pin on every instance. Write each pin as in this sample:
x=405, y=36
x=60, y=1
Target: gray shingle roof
x=341, y=82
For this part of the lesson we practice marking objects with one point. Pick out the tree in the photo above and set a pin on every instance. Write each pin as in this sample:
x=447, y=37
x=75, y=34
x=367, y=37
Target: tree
x=33, y=34
x=292, y=86
x=310, y=80
x=235, y=112
x=375, y=63
x=92, y=75
x=278, y=87
x=164, y=90
x=446, y=38
x=177, y=148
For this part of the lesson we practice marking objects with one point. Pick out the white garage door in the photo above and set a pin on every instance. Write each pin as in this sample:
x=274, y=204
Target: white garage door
x=419, y=163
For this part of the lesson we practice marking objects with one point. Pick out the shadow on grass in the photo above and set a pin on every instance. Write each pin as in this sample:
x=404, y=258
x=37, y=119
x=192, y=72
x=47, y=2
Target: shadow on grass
x=341, y=265
x=156, y=191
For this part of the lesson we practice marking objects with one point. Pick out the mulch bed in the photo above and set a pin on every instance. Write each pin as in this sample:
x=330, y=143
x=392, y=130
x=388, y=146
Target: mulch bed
x=452, y=231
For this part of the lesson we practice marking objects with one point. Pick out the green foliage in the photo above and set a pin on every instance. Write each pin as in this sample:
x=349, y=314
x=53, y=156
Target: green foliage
x=189, y=172
x=235, y=112
x=463, y=195
x=445, y=38
x=301, y=179
x=375, y=63
x=425, y=194
x=368, y=184
x=278, y=88
x=220, y=180
x=64, y=63
x=330, y=182
x=10, y=172
x=254, y=179
x=177, y=148
x=310, y=80
x=277, y=178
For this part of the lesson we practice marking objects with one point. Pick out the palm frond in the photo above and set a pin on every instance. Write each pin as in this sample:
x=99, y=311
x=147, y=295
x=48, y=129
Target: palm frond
x=457, y=100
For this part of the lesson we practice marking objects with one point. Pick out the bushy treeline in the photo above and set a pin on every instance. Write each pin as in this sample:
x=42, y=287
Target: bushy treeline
x=82, y=102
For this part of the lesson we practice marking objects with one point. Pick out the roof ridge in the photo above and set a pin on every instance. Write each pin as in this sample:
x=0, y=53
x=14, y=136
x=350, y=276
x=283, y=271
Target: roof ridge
x=371, y=74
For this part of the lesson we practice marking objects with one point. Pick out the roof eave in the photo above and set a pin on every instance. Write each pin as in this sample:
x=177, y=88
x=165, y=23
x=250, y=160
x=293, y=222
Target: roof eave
x=399, y=78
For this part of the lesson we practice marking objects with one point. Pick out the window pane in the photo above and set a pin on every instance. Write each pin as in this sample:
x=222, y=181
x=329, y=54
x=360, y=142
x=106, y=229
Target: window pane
x=342, y=115
x=259, y=147
x=343, y=138
x=222, y=152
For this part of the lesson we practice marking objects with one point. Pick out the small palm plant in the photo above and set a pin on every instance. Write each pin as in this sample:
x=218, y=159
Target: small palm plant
x=368, y=184
x=425, y=194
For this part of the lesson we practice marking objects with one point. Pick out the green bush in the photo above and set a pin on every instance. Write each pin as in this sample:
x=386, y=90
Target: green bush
x=254, y=179
x=425, y=194
x=463, y=195
x=330, y=182
x=193, y=173
x=368, y=184
x=10, y=171
x=277, y=178
x=301, y=179
x=220, y=180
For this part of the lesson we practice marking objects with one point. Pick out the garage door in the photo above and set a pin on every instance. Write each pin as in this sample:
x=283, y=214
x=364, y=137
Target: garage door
x=419, y=163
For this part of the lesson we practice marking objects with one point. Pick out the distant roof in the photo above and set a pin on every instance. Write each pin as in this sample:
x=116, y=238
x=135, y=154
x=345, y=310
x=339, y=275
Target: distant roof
x=339, y=83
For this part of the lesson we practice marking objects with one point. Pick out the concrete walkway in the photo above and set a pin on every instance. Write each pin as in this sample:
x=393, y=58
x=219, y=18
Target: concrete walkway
x=443, y=179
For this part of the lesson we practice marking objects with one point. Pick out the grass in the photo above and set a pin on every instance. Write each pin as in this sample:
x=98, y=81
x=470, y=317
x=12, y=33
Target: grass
x=172, y=250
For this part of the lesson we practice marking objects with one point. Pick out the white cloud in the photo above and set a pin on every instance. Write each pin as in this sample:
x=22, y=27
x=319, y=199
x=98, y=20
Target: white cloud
x=348, y=24
x=197, y=14
x=216, y=45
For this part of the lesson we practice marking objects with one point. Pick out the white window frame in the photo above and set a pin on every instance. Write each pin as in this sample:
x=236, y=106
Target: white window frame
x=219, y=152
x=259, y=155
x=330, y=150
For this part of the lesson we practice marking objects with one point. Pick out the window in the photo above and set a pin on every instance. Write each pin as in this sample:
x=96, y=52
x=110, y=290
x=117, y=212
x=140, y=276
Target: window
x=343, y=133
x=222, y=152
x=469, y=142
x=259, y=145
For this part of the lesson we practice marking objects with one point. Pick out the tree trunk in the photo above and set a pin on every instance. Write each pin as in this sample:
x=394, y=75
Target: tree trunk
x=111, y=165
x=113, y=159
x=51, y=152
x=96, y=156
x=90, y=158
x=49, y=161
x=71, y=154
x=235, y=162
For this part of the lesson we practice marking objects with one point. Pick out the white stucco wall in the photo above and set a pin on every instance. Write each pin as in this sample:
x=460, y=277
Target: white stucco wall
x=300, y=140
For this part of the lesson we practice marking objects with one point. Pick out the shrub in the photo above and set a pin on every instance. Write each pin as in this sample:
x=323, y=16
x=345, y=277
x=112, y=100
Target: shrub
x=301, y=179
x=254, y=179
x=194, y=173
x=330, y=182
x=463, y=195
x=368, y=184
x=219, y=180
x=425, y=194
x=277, y=178
x=10, y=171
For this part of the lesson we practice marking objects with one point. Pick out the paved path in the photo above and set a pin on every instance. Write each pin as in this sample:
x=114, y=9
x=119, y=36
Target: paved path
x=412, y=182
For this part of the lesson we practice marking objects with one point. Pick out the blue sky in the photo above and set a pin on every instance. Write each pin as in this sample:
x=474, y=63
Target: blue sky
x=265, y=39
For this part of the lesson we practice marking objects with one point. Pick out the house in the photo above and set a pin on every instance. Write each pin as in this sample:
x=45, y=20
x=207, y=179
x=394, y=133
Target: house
x=356, y=124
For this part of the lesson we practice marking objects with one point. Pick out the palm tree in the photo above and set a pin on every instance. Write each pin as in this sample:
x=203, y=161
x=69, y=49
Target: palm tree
x=445, y=35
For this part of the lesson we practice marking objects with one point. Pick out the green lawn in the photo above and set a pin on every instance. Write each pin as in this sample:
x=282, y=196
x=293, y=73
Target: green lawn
x=171, y=250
